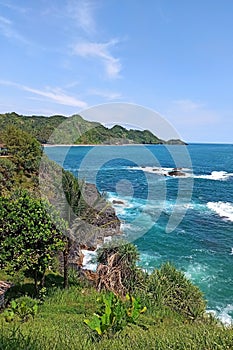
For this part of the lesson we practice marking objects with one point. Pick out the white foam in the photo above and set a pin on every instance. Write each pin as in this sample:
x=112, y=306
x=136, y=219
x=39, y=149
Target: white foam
x=224, y=316
x=197, y=271
x=223, y=209
x=125, y=226
x=88, y=260
x=216, y=175
x=107, y=239
x=163, y=171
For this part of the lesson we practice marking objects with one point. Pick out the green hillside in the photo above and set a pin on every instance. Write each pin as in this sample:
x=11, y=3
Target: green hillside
x=77, y=130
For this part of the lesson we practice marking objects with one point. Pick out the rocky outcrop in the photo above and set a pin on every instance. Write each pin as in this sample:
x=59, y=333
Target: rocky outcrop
x=117, y=202
x=90, y=230
x=176, y=172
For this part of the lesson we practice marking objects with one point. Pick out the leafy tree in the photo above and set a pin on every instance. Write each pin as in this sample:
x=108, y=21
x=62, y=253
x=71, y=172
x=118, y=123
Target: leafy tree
x=7, y=173
x=31, y=232
x=25, y=151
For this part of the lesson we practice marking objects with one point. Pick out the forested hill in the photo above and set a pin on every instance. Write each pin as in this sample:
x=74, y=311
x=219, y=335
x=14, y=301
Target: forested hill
x=77, y=130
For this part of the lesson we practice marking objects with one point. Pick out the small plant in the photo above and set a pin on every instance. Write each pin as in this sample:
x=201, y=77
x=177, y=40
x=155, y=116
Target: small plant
x=42, y=294
x=115, y=314
x=22, y=308
x=73, y=277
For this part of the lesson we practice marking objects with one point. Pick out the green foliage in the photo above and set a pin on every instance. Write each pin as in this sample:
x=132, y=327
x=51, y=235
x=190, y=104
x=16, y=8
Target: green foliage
x=38, y=126
x=169, y=287
x=24, y=150
x=127, y=252
x=7, y=174
x=117, y=135
x=22, y=308
x=114, y=314
x=31, y=232
x=75, y=130
x=117, y=259
x=73, y=277
x=60, y=323
x=72, y=189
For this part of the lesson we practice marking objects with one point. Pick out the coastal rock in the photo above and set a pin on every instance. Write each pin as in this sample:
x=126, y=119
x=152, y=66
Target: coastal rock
x=100, y=222
x=176, y=172
x=117, y=202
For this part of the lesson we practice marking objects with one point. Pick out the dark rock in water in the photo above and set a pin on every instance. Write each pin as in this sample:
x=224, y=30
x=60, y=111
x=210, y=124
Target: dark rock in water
x=117, y=202
x=176, y=173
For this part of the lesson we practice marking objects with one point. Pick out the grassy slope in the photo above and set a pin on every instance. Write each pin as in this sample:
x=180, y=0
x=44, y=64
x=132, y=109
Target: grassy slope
x=59, y=325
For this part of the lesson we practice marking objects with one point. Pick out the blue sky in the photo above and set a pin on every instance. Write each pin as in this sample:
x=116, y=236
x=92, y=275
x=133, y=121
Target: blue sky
x=171, y=56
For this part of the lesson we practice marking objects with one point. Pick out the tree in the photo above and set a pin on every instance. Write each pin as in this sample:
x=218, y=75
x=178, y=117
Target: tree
x=31, y=233
x=72, y=207
x=25, y=151
x=7, y=173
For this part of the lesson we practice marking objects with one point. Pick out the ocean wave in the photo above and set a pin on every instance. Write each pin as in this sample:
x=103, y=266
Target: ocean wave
x=89, y=260
x=197, y=272
x=164, y=171
x=223, y=314
x=215, y=175
x=223, y=209
x=187, y=173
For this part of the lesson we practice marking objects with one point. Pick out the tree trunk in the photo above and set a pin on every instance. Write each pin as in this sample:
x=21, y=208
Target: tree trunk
x=42, y=282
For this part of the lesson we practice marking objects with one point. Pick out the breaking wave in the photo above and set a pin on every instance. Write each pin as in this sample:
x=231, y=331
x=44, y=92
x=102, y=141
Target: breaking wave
x=223, y=209
x=215, y=175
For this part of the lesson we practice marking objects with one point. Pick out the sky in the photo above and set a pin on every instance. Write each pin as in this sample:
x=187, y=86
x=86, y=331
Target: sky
x=174, y=57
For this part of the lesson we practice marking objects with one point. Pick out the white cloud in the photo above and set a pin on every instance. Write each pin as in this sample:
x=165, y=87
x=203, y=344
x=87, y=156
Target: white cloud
x=100, y=50
x=14, y=7
x=56, y=95
x=82, y=12
x=109, y=95
x=7, y=29
x=187, y=105
x=191, y=113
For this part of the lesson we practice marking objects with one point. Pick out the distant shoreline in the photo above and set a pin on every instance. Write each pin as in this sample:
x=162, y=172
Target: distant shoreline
x=92, y=145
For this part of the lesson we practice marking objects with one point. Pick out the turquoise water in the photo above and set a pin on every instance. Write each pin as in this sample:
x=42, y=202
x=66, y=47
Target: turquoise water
x=200, y=204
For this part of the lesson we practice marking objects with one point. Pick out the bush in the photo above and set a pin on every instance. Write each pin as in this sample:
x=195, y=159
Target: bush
x=22, y=308
x=169, y=287
x=117, y=270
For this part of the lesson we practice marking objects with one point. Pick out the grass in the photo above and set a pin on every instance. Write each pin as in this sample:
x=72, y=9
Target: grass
x=59, y=325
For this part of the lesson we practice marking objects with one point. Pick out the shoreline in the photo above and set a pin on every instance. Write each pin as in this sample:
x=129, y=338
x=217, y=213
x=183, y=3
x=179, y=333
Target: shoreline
x=99, y=145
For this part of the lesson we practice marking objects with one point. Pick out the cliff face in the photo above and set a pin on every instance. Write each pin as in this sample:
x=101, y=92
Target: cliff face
x=90, y=230
x=99, y=220
x=95, y=218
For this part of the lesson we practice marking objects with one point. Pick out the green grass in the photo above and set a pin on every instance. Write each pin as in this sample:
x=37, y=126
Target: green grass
x=59, y=325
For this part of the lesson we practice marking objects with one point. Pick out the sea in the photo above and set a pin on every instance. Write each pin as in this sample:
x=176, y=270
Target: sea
x=175, y=204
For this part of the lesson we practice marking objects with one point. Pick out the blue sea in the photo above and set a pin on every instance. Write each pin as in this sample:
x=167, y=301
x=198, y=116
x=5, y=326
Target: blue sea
x=187, y=219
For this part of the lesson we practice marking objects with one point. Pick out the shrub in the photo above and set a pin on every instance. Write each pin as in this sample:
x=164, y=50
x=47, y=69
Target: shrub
x=22, y=308
x=169, y=287
x=117, y=270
